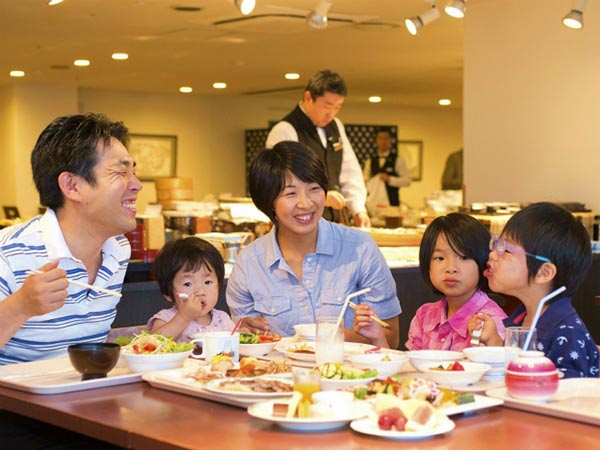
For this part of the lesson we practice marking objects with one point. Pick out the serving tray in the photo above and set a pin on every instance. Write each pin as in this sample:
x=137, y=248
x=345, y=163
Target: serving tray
x=57, y=376
x=577, y=399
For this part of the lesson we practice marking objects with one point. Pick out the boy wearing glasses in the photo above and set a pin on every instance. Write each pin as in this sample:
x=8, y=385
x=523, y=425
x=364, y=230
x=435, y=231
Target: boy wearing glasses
x=542, y=248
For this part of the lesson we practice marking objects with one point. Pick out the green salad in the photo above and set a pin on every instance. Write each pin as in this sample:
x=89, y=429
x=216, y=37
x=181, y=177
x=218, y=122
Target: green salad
x=152, y=344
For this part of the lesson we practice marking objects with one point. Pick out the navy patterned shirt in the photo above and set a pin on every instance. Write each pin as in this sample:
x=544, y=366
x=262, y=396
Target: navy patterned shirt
x=564, y=338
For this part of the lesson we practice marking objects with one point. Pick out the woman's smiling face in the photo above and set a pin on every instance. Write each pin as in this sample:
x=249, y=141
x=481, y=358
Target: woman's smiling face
x=299, y=206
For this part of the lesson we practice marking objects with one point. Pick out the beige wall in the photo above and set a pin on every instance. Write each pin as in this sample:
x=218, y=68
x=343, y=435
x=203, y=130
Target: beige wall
x=531, y=103
x=8, y=193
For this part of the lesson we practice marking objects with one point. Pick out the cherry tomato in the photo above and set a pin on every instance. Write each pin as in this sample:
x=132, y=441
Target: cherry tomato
x=456, y=366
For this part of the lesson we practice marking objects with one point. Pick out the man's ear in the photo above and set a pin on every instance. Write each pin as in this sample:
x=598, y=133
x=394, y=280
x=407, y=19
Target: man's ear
x=307, y=97
x=70, y=185
x=545, y=273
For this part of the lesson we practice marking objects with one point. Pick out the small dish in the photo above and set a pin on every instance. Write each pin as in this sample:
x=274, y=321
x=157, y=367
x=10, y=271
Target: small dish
x=455, y=378
x=369, y=426
x=386, y=364
x=424, y=359
x=306, y=331
x=255, y=350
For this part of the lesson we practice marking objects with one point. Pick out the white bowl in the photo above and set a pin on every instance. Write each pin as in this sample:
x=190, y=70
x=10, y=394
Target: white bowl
x=306, y=331
x=152, y=362
x=386, y=364
x=423, y=359
x=255, y=350
x=472, y=373
x=330, y=384
x=494, y=356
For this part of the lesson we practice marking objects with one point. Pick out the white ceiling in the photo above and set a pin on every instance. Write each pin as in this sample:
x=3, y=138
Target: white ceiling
x=367, y=44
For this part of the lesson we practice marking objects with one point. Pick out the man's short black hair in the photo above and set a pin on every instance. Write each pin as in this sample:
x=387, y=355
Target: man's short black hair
x=326, y=81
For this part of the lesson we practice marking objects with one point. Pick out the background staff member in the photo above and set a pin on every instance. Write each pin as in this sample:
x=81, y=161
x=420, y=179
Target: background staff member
x=313, y=123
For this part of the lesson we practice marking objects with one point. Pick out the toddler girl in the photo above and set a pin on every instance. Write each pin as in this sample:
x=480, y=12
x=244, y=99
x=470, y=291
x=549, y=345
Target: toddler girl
x=453, y=256
x=190, y=272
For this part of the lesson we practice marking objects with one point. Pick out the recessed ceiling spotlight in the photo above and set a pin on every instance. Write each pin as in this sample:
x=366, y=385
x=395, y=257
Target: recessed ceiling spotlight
x=444, y=101
x=292, y=76
x=17, y=73
x=54, y=2
x=375, y=99
x=219, y=85
x=81, y=62
x=185, y=89
x=120, y=56
x=245, y=6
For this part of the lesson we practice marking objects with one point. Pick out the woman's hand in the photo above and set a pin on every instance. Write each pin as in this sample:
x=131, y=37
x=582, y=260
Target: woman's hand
x=254, y=325
x=367, y=327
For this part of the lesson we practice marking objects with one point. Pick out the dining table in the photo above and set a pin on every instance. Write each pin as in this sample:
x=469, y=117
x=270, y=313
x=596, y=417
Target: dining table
x=140, y=416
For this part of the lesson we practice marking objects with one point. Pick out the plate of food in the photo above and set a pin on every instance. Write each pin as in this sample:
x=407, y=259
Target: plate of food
x=403, y=420
x=335, y=376
x=258, y=344
x=257, y=387
x=300, y=351
x=283, y=413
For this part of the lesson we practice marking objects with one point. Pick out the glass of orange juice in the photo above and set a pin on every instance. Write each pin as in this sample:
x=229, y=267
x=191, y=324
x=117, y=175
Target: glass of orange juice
x=307, y=382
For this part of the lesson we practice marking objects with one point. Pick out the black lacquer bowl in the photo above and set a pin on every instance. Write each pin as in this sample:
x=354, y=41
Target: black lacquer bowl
x=94, y=359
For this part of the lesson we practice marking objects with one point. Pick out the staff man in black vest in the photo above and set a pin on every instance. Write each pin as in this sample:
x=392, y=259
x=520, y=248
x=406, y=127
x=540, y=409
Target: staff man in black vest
x=313, y=123
x=388, y=166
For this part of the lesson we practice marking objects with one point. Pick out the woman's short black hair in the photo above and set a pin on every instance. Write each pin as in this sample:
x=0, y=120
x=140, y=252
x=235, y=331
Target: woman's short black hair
x=549, y=230
x=270, y=168
x=466, y=237
x=189, y=254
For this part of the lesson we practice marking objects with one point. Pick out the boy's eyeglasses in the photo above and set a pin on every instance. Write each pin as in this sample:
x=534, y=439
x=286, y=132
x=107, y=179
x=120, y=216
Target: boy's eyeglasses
x=500, y=246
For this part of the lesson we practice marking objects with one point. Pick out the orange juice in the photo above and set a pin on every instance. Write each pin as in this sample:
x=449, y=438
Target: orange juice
x=307, y=390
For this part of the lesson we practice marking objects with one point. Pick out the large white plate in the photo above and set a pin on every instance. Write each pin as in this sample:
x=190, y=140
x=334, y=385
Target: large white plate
x=214, y=386
x=264, y=411
x=369, y=426
x=481, y=402
x=576, y=399
x=350, y=348
x=57, y=376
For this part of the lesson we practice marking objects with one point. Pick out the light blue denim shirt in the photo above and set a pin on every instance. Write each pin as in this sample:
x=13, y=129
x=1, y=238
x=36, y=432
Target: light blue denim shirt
x=346, y=260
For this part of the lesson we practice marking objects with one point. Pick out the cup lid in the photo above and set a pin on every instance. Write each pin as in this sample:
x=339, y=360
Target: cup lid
x=531, y=361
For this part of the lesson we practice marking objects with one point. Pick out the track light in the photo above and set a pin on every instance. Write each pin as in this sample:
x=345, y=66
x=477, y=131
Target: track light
x=317, y=18
x=245, y=6
x=575, y=18
x=413, y=24
x=456, y=8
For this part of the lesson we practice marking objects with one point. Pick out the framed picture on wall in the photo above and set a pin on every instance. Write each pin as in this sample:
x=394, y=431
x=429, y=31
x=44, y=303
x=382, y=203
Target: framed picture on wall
x=155, y=155
x=412, y=152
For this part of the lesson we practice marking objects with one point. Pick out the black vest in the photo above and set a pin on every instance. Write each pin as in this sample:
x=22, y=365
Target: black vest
x=388, y=167
x=331, y=155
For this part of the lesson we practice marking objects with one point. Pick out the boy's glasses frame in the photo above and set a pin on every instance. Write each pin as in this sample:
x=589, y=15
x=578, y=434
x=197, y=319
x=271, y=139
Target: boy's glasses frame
x=500, y=246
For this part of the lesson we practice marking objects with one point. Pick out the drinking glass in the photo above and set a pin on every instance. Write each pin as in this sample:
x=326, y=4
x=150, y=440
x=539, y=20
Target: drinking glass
x=329, y=344
x=307, y=382
x=514, y=340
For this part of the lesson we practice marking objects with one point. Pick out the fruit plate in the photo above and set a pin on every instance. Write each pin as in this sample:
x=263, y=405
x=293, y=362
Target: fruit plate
x=264, y=411
x=577, y=399
x=369, y=426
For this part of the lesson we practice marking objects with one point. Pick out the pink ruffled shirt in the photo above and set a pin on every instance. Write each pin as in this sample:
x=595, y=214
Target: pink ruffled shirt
x=431, y=329
x=220, y=322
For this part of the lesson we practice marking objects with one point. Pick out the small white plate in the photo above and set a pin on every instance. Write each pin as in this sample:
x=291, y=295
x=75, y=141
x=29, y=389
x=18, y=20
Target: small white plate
x=350, y=348
x=215, y=386
x=264, y=411
x=369, y=426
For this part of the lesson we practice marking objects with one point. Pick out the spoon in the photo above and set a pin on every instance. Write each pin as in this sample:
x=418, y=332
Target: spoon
x=183, y=296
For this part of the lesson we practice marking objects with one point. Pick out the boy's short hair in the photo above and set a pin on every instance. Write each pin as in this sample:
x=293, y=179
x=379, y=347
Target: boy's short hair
x=70, y=144
x=549, y=230
x=465, y=235
x=326, y=81
x=270, y=168
x=189, y=254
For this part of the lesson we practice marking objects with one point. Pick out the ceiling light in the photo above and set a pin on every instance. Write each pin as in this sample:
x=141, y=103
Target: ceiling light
x=120, y=56
x=17, y=73
x=413, y=24
x=374, y=99
x=54, y=2
x=185, y=89
x=292, y=76
x=575, y=18
x=317, y=18
x=444, y=102
x=219, y=85
x=81, y=62
x=456, y=8
x=245, y=6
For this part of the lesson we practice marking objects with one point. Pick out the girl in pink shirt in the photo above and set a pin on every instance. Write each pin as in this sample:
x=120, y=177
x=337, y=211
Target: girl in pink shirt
x=190, y=272
x=453, y=255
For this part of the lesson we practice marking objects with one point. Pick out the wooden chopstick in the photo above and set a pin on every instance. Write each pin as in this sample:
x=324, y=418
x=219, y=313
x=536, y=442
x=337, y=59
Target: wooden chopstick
x=376, y=319
x=84, y=285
